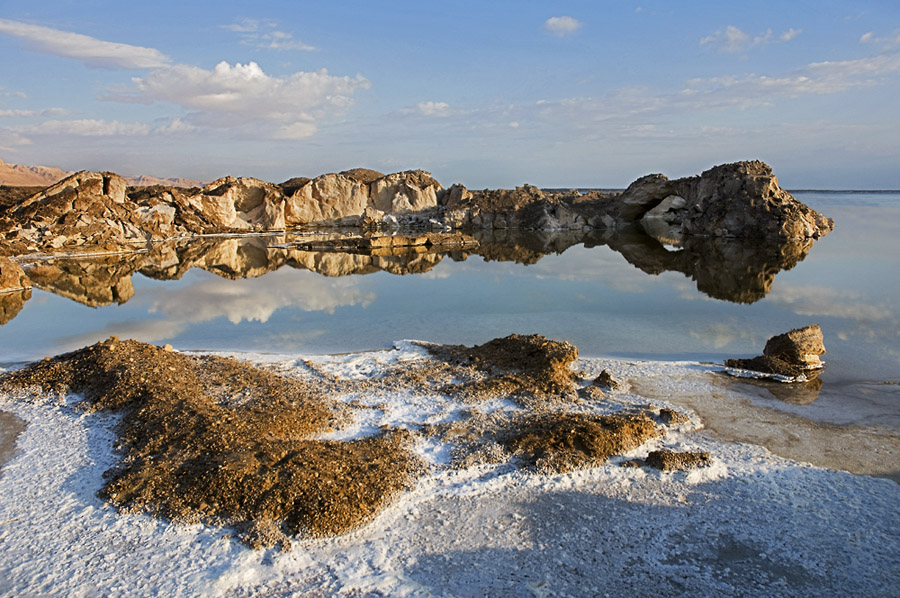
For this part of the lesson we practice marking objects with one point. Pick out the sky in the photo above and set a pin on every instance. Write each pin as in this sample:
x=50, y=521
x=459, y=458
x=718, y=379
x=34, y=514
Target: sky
x=487, y=94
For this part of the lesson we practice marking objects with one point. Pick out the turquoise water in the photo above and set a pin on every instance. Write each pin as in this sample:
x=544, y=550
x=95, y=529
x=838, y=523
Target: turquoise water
x=592, y=296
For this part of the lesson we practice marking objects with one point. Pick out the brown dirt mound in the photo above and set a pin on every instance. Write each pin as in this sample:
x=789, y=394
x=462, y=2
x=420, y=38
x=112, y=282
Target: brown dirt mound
x=521, y=367
x=672, y=460
x=215, y=439
x=565, y=442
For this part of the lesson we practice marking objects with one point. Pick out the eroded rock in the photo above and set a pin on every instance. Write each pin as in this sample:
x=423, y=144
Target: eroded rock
x=674, y=460
x=793, y=355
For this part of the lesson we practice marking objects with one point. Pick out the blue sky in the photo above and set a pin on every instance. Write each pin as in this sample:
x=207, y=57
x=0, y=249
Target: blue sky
x=489, y=94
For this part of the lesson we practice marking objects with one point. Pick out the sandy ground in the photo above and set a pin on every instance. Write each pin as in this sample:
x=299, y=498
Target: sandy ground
x=10, y=429
x=751, y=524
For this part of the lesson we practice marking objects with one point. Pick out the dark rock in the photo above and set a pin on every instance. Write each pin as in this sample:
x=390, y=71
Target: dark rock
x=605, y=380
x=766, y=364
x=672, y=460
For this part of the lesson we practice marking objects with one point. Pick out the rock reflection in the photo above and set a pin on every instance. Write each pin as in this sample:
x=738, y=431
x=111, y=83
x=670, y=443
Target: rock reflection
x=735, y=270
x=11, y=304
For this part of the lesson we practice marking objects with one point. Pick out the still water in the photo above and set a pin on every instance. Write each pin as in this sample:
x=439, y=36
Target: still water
x=624, y=295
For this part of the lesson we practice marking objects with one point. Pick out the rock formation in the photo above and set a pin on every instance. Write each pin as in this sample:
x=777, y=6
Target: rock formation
x=793, y=355
x=100, y=211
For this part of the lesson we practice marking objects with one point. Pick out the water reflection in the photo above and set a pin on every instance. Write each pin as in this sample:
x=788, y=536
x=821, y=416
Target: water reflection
x=735, y=270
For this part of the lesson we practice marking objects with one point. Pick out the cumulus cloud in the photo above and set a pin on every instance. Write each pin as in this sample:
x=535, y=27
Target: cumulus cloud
x=733, y=40
x=265, y=34
x=290, y=104
x=886, y=42
x=89, y=50
x=562, y=26
x=239, y=97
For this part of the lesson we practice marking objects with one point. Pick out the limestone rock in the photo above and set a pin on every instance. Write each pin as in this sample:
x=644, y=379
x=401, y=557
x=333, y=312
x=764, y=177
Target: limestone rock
x=241, y=203
x=403, y=192
x=643, y=195
x=327, y=199
x=794, y=355
x=745, y=200
x=801, y=346
x=12, y=277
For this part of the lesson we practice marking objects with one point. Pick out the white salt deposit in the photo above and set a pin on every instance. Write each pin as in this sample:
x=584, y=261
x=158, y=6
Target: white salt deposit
x=752, y=524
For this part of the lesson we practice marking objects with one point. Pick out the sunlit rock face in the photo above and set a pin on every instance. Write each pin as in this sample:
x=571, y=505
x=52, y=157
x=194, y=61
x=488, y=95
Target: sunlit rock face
x=741, y=200
x=404, y=192
x=242, y=204
x=745, y=200
x=329, y=198
x=99, y=211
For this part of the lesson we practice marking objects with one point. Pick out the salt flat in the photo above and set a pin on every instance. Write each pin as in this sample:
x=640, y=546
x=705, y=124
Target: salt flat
x=752, y=523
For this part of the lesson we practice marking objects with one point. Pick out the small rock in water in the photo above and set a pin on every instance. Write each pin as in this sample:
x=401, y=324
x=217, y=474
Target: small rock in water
x=792, y=355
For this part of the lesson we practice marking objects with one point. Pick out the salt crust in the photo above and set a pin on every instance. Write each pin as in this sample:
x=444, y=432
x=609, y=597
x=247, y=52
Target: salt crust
x=752, y=524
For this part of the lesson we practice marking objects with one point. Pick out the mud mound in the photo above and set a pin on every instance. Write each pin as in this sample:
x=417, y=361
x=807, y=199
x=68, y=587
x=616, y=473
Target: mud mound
x=672, y=460
x=218, y=440
x=565, y=442
x=524, y=368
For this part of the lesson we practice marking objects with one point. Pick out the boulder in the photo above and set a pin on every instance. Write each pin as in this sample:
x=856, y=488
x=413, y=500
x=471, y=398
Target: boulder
x=744, y=200
x=801, y=347
x=12, y=277
x=404, y=192
x=793, y=355
x=241, y=203
x=328, y=198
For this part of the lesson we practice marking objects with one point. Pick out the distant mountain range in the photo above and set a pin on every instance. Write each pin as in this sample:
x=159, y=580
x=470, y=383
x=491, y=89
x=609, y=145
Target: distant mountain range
x=19, y=175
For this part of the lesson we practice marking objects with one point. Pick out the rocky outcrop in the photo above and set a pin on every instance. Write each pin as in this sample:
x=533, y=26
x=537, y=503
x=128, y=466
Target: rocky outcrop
x=327, y=199
x=741, y=200
x=241, y=204
x=792, y=356
x=15, y=289
x=801, y=347
x=745, y=200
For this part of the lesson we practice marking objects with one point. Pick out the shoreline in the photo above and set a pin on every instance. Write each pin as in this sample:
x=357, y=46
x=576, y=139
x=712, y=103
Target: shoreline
x=462, y=532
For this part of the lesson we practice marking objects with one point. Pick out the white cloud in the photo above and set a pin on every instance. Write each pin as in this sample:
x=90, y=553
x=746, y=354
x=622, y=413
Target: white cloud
x=12, y=140
x=13, y=94
x=887, y=42
x=562, y=26
x=86, y=128
x=289, y=105
x=730, y=40
x=790, y=34
x=733, y=40
x=265, y=34
x=32, y=113
x=174, y=127
x=433, y=108
x=89, y=50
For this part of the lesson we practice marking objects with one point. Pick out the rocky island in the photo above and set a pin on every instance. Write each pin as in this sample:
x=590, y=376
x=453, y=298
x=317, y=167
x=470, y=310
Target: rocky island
x=731, y=229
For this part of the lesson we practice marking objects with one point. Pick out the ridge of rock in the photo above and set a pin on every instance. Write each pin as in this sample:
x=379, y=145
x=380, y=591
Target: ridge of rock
x=100, y=210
